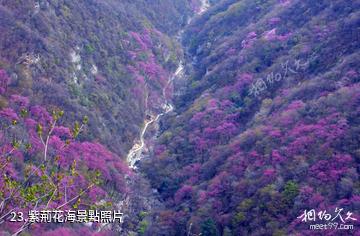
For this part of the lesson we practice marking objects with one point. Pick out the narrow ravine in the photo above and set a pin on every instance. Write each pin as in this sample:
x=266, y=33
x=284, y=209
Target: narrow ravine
x=141, y=196
x=135, y=153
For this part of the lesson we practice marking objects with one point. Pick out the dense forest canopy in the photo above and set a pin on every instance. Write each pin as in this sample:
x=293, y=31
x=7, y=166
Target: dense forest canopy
x=181, y=117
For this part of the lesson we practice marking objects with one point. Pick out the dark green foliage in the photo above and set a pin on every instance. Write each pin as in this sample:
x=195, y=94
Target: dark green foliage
x=208, y=228
x=291, y=190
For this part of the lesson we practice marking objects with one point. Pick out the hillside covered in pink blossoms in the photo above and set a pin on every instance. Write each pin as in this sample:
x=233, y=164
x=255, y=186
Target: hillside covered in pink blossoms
x=251, y=111
x=269, y=124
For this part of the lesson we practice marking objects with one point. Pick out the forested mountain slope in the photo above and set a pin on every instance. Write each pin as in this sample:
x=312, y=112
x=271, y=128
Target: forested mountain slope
x=265, y=123
x=77, y=79
x=80, y=55
x=268, y=124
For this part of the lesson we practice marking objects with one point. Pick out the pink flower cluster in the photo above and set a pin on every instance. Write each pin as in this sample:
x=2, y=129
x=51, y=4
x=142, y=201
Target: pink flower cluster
x=249, y=40
x=271, y=35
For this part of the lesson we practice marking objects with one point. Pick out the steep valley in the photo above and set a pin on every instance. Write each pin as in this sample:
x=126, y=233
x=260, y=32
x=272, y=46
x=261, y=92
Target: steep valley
x=188, y=117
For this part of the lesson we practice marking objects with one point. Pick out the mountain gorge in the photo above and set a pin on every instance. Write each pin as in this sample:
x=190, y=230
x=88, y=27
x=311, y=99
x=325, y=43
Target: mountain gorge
x=79, y=55
x=268, y=125
x=191, y=117
x=77, y=80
